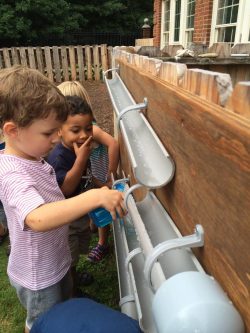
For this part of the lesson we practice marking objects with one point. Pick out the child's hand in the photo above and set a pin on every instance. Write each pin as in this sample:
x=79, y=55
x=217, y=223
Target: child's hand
x=112, y=200
x=83, y=152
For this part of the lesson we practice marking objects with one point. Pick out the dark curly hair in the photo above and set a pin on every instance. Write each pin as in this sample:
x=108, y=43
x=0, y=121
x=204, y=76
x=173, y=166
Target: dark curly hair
x=77, y=105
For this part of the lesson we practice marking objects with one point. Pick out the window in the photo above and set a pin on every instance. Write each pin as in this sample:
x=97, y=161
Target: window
x=190, y=22
x=231, y=21
x=227, y=20
x=177, y=22
x=166, y=22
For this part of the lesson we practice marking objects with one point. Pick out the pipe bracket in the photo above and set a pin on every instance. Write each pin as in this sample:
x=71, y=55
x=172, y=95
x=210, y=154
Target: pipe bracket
x=126, y=299
x=130, y=256
x=194, y=240
x=134, y=107
x=115, y=69
x=129, y=191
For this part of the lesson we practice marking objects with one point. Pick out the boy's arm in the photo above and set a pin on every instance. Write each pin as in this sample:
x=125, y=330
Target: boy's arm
x=73, y=176
x=113, y=148
x=55, y=214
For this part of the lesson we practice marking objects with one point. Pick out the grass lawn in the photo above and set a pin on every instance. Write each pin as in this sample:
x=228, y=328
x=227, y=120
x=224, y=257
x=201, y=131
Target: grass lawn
x=104, y=288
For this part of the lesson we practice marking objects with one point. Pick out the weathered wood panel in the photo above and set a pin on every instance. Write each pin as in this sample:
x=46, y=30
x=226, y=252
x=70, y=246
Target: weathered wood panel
x=211, y=148
x=39, y=58
x=23, y=56
x=48, y=63
x=65, y=64
x=14, y=55
x=31, y=57
x=72, y=60
x=6, y=57
x=80, y=63
x=88, y=62
x=96, y=62
x=56, y=64
x=61, y=63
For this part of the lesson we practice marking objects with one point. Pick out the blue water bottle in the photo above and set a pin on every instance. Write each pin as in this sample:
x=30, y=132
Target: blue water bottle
x=101, y=216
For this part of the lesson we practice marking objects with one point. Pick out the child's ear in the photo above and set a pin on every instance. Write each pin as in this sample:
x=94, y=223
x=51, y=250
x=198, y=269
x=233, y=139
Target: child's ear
x=10, y=129
x=59, y=133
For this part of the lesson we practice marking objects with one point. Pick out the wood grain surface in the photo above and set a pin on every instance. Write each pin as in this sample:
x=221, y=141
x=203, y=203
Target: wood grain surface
x=211, y=149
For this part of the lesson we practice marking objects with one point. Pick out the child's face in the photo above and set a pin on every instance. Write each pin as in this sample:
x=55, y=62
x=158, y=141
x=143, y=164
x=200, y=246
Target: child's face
x=36, y=140
x=77, y=128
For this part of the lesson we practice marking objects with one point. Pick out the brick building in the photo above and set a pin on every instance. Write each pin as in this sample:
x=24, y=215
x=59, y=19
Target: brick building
x=181, y=22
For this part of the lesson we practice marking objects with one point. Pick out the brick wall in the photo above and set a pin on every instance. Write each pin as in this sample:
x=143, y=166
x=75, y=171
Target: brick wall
x=202, y=21
x=157, y=22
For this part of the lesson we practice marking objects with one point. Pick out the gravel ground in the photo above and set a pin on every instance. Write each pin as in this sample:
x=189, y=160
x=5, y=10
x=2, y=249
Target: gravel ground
x=101, y=104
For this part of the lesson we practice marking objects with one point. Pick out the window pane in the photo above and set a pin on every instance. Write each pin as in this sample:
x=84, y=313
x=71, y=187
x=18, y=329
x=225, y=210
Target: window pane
x=221, y=3
x=177, y=20
x=227, y=16
x=226, y=34
x=166, y=39
x=189, y=37
x=234, y=14
x=220, y=16
x=192, y=22
x=190, y=13
x=167, y=15
x=192, y=7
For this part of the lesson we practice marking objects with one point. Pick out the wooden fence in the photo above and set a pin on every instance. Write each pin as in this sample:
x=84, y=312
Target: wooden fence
x=61, y=63
x=204, y=124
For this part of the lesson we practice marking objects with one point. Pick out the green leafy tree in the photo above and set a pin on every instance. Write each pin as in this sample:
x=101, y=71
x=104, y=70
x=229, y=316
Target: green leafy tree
x=113, y=15
x=34, y=21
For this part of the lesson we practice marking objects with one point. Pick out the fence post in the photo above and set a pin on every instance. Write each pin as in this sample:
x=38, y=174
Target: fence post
x=146, y=29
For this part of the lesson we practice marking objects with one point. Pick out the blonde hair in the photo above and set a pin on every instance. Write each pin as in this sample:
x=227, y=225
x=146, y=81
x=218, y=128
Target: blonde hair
x=74, y=88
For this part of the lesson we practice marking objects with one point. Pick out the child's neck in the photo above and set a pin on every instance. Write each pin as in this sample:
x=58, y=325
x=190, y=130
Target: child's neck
x=11, y=150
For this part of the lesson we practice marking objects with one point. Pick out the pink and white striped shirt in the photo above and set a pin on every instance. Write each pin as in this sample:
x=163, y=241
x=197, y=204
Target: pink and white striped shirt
x=37, y=259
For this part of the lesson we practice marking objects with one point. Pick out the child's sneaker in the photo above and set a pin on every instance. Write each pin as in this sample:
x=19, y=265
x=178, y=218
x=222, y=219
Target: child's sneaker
x=98, y=253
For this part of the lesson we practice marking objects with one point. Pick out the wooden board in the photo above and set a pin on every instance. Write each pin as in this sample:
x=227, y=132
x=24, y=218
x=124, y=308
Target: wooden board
x=211, y=148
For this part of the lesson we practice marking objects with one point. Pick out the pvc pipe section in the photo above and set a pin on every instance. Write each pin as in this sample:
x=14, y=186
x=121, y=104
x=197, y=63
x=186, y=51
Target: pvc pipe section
x=151, y=163
x=186, y=299
x=193, y=302
x=152, y=256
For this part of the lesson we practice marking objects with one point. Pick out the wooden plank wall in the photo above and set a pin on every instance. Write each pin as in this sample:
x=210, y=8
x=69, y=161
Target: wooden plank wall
x=61, y=63
x=205, y=126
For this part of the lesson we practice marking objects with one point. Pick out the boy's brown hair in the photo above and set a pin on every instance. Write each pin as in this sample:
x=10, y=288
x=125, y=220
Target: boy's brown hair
x=27, y=95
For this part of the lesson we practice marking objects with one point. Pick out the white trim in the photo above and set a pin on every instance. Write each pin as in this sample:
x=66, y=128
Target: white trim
x=186, y=30
x=163, y=4
x=171, y=23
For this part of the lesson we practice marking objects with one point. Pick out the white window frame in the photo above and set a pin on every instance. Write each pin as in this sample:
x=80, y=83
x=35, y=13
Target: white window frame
x=163, y=32
x=186, y=30
x=242, y=25
x=183, y=24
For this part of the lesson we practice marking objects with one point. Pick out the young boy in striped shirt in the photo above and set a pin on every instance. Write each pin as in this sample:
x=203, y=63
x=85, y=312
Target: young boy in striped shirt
x=32, y=110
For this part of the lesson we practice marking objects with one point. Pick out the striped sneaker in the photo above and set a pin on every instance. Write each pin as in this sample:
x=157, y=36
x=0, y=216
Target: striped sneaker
x=98, y=253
